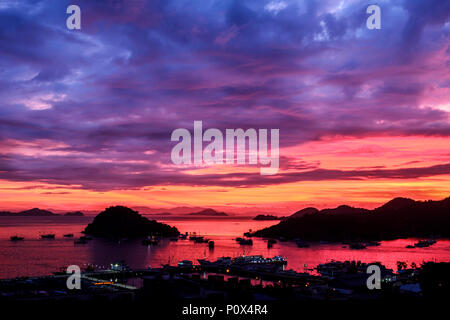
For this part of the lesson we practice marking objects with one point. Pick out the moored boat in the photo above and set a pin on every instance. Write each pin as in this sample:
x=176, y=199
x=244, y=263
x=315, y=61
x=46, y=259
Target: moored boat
x=48, y=236
x=357, y=246
x=16, y=238
x=150, y=241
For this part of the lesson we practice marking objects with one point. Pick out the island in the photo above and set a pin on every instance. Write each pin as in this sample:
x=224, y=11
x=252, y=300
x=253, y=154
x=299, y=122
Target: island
x=121, y=222
x=35, y=212
x=398, y=218
x=266, y=217
x=74, y=214
x=209, y=213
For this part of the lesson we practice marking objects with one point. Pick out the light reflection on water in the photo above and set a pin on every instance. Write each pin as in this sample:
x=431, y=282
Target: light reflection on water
x=39, y=257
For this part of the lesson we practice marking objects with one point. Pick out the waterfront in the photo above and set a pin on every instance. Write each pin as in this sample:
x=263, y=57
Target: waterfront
x=33, y=256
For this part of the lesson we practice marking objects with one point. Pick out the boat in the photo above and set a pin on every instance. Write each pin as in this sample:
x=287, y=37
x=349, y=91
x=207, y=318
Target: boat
x=258, y=259
x=357, y=246
x=68, y=235
x=183, y=236
x=48, y=236
x=302, y=244
x=119, y=266
x=270, y=243
x=150, y=242
x=16, y=238
x=185, y=264
x=196, y=238
x=410, y=246
x=201, y=240
x=424, y=243
x=211, y=244
x=243, y=261
x=245, y=242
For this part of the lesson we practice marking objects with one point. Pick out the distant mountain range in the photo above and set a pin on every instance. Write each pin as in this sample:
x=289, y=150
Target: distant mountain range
x=265, y=217
x=209, y=213
x=36, y=212
x=398, y=218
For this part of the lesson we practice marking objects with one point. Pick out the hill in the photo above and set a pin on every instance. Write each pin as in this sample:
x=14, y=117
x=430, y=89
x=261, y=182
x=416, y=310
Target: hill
x=123, y=222
x=398, y=218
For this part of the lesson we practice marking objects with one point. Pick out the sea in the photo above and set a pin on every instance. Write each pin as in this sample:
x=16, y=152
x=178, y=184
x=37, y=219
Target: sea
x=35, y=256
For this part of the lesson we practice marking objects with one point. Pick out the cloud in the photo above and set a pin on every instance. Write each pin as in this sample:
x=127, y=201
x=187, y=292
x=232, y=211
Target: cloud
x=118, y=88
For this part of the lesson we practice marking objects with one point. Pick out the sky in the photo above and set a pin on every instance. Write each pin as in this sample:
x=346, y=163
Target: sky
x=86, y=115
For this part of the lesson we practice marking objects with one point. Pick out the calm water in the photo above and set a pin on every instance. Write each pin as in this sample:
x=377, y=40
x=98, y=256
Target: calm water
x=40, y=257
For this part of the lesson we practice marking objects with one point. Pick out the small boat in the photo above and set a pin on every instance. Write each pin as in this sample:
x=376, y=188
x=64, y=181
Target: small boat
x=270, y=243
x=119, y=266
x=150, y=242
x=201, y=240
x=48, y=236
x=357, y=246
x=68, y=235
x=16, y=238
x=424, y=243
x=211, y=244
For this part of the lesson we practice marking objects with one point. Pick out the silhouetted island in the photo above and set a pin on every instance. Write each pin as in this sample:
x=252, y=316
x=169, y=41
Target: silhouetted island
x=398, y=218
x=35, y=212
x=305, y=211
x=123, y=222
x=74, y=214
x=209, y=213
x=263, y=217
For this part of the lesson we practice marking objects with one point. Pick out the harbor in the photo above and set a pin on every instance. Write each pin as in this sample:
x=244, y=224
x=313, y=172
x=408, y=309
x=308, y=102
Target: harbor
x=251, y=277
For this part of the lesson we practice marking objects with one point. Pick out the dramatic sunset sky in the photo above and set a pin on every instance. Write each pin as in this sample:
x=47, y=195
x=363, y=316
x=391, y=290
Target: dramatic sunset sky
x=86, y=115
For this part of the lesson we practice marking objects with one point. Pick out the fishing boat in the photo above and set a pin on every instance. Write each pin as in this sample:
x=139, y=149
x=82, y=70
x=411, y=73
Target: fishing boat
x=48, y=236
x=424, y=243
x=16, y=238
x=80, y=241
x=372, y=243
